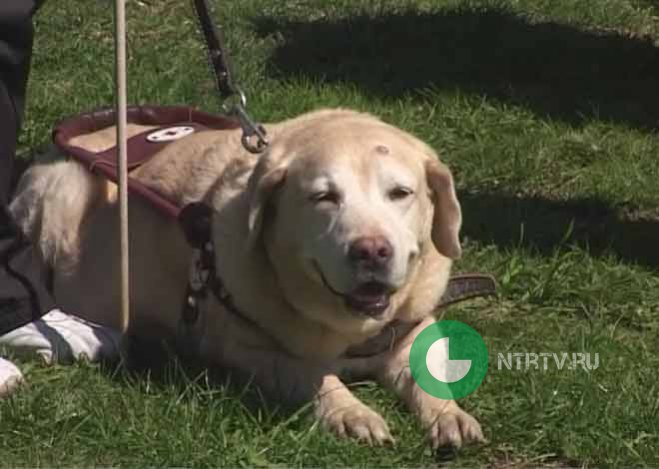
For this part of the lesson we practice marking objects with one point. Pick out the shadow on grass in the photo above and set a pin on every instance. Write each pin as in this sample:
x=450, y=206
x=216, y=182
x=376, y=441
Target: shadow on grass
x=508, y=221
x=555, y=70
x=165, y=364
x=169, y=365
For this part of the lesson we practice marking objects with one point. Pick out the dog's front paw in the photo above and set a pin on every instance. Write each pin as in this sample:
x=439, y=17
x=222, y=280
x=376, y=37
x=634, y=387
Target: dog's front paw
x=453, y=428
x=360, y=422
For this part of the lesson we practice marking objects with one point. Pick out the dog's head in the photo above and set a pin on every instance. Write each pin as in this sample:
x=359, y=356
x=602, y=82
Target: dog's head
x=345, y=207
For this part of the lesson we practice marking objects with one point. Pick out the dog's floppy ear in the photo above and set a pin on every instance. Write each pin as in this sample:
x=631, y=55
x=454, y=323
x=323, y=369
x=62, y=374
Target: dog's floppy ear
x=195, y=221
x=447, y=217
x=263, y=184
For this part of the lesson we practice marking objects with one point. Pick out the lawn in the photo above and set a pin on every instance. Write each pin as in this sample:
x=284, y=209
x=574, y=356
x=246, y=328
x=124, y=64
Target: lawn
x=547, y=112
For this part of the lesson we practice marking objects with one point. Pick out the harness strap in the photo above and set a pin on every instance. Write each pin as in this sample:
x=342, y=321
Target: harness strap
x=140, y=147
x=465, y=286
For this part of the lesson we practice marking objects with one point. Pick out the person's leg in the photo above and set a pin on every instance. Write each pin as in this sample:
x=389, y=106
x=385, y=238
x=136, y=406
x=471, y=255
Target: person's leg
x=23, y=295
x=19, y=302
x=29, y=320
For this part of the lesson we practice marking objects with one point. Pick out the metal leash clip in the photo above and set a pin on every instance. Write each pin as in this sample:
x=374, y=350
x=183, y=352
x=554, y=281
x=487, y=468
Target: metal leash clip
x=254, y=137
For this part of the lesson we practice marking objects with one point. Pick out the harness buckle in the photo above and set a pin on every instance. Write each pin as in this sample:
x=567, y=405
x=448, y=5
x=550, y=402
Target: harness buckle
x=198, y=276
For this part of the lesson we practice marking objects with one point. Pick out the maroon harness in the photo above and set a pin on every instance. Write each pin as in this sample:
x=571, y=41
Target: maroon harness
x=140, y=147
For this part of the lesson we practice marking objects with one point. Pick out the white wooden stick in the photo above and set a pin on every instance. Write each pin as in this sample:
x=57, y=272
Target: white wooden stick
x=121, y=106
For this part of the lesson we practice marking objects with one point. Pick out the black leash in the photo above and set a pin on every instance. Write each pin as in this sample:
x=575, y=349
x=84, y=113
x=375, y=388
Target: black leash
x=254, y=137
x=218, y=61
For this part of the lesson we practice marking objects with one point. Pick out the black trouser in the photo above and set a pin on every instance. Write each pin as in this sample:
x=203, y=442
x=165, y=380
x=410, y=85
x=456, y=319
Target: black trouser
x=23, y=294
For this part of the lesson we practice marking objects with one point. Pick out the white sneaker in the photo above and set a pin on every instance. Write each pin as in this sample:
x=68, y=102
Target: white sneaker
x=58, y=337
x=10, y=377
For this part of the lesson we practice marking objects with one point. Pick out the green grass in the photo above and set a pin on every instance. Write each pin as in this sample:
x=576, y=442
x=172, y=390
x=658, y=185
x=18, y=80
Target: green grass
x=546, y=110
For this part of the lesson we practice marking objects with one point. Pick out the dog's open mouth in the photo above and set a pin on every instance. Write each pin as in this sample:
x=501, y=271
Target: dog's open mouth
x=370, y=298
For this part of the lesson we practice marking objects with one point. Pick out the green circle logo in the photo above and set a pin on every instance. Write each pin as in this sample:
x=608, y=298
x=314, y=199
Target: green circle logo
x=448, y=359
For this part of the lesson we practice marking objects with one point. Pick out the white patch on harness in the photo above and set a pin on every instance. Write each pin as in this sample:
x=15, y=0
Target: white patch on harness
x=170, y=133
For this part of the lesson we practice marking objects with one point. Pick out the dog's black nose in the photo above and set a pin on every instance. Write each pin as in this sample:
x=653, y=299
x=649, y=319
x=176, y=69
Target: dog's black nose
x=371, y=252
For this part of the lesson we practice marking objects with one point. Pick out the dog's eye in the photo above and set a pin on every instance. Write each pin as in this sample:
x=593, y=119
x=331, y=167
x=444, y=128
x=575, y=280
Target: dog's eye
x=400, y=193
x=331, y=197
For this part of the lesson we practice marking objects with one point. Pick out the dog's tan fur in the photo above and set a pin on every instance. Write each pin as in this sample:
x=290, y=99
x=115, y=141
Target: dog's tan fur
x=274, y=244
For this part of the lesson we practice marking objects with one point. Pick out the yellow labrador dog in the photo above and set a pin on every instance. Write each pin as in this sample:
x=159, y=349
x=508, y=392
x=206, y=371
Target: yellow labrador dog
x=342, y=226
